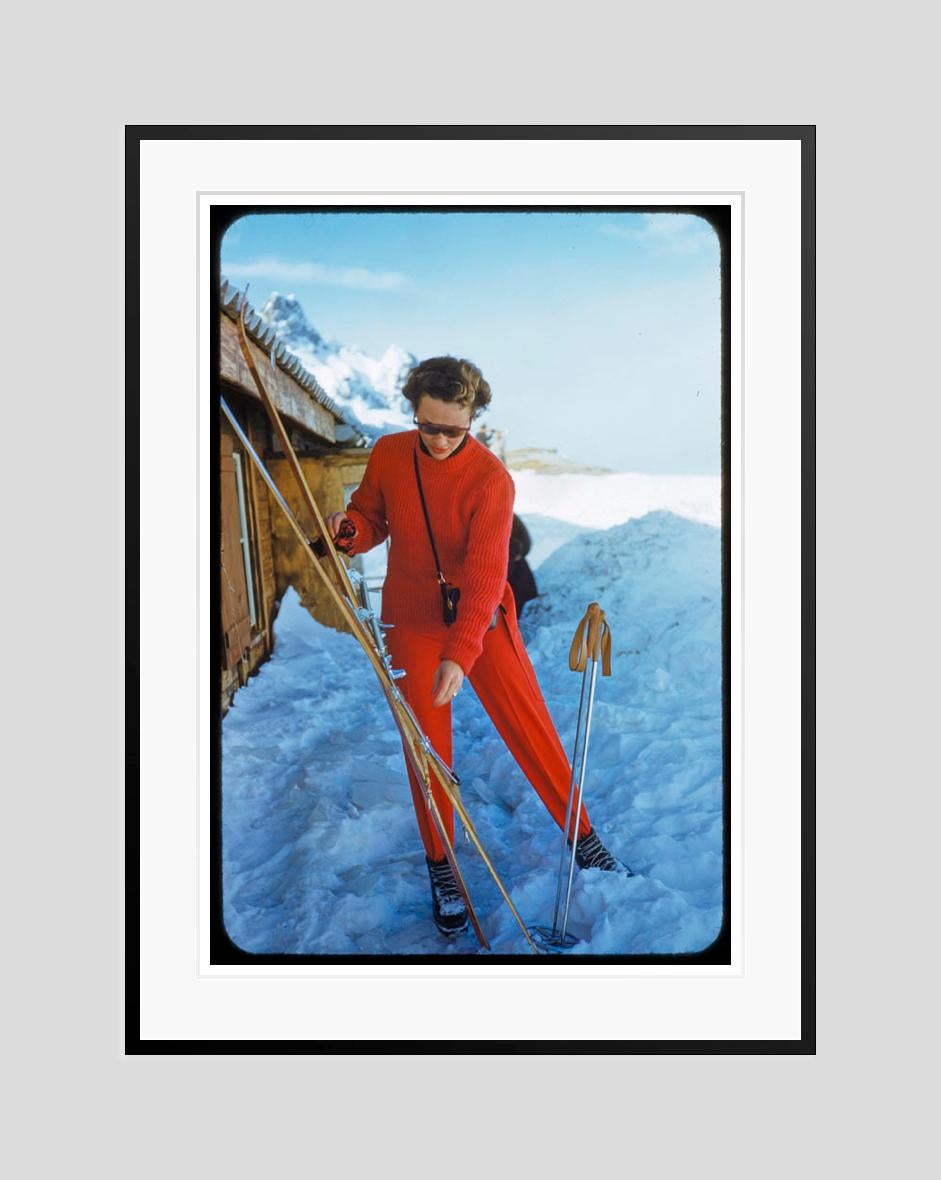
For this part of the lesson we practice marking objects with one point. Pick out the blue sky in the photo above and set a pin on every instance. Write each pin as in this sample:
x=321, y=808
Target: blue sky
x=600, y=333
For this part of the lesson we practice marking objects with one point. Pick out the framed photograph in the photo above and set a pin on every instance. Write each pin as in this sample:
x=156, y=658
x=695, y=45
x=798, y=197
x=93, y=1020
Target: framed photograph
x=479, y=486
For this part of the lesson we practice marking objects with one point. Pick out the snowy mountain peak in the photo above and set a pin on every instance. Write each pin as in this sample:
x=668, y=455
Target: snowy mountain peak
x=368, y=389
x=285, y=314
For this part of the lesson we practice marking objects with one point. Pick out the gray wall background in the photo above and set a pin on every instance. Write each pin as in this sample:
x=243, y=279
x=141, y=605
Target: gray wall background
x=862, y=79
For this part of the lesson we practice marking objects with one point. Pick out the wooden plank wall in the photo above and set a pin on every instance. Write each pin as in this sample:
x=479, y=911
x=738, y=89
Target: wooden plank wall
x=259, y=521
x=292, y=568
x=276, y=554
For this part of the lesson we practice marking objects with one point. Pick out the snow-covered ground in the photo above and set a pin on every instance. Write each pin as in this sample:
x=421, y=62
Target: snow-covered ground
x=321, y=853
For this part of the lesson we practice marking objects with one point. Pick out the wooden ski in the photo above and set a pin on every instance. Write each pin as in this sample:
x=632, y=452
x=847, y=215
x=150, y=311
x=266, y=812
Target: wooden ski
x=422, y=757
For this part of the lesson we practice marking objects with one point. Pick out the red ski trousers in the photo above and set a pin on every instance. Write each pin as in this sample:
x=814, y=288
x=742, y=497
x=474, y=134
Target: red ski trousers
x=506, y=685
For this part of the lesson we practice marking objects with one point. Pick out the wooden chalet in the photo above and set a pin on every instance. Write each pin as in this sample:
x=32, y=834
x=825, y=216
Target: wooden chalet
x=260, y=556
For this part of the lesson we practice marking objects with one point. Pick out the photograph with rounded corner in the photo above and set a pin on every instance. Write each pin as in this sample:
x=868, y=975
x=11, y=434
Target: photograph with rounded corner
x=471, y=638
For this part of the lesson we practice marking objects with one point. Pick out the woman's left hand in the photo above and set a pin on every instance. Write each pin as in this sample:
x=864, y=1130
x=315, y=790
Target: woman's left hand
x=449, y=677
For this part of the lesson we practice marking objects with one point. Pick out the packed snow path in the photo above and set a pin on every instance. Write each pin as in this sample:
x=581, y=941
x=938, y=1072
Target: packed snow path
x=321, y=853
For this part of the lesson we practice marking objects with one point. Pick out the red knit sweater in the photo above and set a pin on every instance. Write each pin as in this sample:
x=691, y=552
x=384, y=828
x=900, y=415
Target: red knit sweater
x=470, y=503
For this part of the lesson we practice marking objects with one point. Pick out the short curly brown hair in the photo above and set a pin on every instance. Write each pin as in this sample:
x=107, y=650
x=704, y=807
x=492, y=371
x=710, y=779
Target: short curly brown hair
x=450, y=379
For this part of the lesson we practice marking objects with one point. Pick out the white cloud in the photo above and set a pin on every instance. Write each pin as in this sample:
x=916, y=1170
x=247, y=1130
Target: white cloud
x=668, y=233
x=280, y=271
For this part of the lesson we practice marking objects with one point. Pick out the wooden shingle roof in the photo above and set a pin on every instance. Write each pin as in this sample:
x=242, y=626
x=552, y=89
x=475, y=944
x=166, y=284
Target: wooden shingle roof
x=231, y=300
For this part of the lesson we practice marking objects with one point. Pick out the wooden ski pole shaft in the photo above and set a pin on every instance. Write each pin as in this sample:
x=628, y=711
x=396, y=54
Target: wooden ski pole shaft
x=402, y=714
x=408, y=728
x=449, y=781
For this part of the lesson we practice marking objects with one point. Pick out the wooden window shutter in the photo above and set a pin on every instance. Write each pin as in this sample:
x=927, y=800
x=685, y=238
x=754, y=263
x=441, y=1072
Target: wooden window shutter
x=236, y=621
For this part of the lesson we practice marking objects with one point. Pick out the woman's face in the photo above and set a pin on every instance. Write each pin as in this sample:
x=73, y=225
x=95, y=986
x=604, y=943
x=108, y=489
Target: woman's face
x=433, y=411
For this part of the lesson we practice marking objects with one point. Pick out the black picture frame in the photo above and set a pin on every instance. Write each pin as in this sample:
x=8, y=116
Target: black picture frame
x=135, y=136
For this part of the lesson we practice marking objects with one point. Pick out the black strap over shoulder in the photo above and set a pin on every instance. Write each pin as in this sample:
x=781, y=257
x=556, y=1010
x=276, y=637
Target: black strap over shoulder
x=424, y=508
x=450, y=594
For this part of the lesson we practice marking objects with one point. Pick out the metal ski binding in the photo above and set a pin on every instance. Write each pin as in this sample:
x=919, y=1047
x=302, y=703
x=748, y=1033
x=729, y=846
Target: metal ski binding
x=395, y=673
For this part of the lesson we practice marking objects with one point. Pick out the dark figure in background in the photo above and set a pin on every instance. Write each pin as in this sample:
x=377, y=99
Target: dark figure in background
x=519, y=575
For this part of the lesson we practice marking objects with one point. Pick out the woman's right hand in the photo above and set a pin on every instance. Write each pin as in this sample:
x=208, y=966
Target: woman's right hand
x=335, y=521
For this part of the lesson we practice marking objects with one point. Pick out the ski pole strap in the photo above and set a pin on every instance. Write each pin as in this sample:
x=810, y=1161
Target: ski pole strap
x=592, y=640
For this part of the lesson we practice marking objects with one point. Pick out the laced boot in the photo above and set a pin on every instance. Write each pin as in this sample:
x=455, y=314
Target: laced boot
x=450, y=912
x=590, y=853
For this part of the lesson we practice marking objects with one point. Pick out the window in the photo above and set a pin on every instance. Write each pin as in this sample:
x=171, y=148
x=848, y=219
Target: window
x=244, y=537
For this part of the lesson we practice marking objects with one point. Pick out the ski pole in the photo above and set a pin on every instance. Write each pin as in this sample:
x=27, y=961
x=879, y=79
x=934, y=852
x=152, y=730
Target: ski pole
x=422, y=756
x=591, y=643
x=415, y=741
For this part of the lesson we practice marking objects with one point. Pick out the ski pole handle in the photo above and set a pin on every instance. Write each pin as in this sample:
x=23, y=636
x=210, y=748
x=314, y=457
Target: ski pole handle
x=592, y=640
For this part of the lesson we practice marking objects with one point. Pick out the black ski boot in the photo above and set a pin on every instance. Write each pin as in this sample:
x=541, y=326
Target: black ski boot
x=590, y=853
x=450, y=912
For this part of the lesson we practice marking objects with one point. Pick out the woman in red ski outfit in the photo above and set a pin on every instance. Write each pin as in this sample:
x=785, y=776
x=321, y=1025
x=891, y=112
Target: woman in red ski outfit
x=468, y=495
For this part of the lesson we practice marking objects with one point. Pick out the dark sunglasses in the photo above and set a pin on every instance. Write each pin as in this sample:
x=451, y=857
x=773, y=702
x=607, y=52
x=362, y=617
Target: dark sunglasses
x=430, y=428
